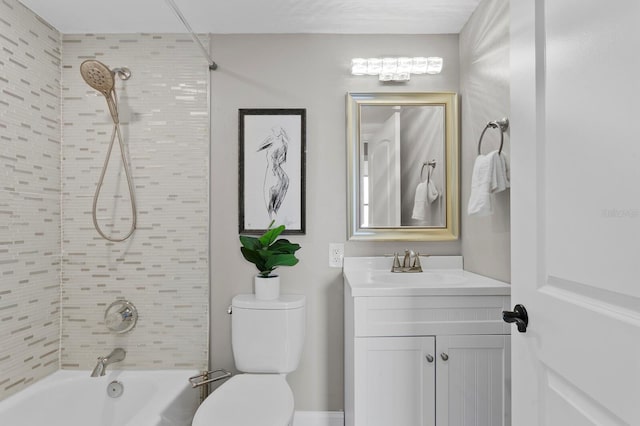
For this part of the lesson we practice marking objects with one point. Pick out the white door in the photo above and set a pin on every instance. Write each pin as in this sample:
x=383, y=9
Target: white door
x=395, y=381
x=575, y=147
x=384, y=174
x=472, y=381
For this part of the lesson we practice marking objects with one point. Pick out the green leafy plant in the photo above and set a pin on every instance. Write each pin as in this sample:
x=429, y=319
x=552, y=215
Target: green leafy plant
x=267, y=253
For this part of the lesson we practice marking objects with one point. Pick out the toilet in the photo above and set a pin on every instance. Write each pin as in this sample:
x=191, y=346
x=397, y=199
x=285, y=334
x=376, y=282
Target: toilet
x=267, y=338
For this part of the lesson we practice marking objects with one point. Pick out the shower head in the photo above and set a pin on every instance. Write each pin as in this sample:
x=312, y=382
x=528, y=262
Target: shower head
x=101, y=78
x=98, y=76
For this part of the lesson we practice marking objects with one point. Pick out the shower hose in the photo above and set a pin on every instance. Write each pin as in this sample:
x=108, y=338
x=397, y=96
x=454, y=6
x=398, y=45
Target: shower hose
x=115, y=133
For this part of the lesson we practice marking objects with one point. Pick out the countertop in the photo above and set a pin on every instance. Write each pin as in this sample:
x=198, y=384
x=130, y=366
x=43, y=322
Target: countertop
x=441, y=276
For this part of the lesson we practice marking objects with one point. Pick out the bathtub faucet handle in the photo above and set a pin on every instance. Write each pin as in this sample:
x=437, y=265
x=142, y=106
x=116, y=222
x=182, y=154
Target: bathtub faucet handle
x=121, y=316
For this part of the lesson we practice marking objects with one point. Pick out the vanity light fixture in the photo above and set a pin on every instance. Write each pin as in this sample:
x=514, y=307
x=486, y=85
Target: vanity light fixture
x=396, y=69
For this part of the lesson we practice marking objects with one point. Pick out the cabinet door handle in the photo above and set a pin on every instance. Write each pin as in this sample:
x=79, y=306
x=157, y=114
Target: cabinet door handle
x=444, y=356
x=429, y=358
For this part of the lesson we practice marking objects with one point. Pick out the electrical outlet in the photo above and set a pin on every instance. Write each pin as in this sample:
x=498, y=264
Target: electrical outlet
x=336, y=255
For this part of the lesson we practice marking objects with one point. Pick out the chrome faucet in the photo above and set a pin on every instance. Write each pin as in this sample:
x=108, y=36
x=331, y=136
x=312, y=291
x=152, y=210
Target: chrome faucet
x=407, y=265
x=117, y=355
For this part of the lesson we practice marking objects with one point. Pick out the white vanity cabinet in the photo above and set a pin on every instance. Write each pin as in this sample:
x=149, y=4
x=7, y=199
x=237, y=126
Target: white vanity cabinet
x=473, y=384
x=393, y=382
x=432, y=353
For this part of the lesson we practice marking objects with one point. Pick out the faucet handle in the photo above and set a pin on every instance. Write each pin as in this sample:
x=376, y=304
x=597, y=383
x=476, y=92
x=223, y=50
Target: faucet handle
x=406, y=261
x=396, y=263
x=416, y=261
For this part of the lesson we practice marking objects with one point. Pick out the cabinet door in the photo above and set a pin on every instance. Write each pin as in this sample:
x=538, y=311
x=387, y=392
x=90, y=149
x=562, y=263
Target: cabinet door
x=473, y=377
x=395, y=381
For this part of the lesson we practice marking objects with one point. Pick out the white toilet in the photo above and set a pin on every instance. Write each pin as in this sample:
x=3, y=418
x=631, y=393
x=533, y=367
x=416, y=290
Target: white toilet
x=267, y=338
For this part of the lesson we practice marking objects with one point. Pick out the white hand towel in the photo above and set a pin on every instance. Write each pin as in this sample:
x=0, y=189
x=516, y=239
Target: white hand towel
x=432, y=191
x=500, y=178
x=481, y=182
x=420, y=202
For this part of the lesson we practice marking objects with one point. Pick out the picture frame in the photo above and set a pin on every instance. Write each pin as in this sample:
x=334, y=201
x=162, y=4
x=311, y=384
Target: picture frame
x=272, y=169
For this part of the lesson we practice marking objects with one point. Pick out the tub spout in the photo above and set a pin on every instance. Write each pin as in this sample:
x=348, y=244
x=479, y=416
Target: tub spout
x=117, y=355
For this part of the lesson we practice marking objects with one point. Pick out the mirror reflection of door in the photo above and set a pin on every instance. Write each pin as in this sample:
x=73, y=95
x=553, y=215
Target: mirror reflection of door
x=382, y=163
x=398, y=187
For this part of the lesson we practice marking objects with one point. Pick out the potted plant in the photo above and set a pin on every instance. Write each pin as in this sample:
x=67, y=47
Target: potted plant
x=267, y=253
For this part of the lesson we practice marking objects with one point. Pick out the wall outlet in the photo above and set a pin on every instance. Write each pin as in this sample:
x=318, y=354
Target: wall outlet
x=336, y=255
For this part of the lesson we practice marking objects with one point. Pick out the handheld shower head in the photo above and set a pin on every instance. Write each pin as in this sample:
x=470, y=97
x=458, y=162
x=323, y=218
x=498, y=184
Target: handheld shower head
x=98, y=76
x=101, y=78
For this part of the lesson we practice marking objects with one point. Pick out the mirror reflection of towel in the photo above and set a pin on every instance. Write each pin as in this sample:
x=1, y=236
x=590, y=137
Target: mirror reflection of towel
x=426, y=193
x=420, y=202
x=432, y=191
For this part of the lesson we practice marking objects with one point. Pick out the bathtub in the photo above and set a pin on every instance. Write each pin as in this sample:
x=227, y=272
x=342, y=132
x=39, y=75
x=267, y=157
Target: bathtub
x=72, y=398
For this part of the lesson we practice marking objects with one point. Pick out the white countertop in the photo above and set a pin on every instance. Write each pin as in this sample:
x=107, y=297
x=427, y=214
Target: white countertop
x=441, y=276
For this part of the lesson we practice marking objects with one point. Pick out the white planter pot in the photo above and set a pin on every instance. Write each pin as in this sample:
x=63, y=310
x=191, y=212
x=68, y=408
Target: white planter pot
x=267, y=288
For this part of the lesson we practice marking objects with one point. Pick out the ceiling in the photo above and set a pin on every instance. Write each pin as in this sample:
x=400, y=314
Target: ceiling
x=257, y=16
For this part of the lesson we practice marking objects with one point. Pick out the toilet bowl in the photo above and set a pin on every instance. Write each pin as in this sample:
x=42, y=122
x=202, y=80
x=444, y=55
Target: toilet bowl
x=248, y=400
x=267, y=338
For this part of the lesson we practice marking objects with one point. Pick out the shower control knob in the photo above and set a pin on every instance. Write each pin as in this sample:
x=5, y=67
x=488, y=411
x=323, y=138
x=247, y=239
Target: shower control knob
x=121, y=316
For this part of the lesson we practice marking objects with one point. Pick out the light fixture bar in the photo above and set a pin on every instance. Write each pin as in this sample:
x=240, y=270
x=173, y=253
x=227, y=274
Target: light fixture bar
x=396, y=69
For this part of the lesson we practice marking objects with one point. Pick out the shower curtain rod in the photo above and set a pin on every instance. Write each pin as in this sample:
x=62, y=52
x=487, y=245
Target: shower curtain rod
x=212, y=65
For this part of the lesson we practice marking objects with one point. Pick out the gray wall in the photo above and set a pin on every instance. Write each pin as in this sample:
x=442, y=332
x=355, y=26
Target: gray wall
x=312, y=72
x=484, y=89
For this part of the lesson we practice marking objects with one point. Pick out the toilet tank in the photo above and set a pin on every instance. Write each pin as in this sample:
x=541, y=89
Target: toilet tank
x=267, y=336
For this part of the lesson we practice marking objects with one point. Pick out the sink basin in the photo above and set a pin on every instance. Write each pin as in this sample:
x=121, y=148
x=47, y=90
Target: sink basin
x=427, y=279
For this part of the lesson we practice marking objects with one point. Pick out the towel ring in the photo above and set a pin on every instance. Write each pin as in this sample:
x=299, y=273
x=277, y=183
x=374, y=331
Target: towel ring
x=431, y=164
x=503, y=125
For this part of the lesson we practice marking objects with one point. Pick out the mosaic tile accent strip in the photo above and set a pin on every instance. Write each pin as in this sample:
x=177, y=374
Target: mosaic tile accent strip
x=163, y=268
x=29, y=197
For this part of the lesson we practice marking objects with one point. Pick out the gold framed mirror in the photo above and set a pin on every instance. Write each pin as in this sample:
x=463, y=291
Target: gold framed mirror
x=403, y=166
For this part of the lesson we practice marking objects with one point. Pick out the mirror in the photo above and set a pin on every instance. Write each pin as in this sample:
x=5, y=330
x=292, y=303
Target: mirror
x=403, y=166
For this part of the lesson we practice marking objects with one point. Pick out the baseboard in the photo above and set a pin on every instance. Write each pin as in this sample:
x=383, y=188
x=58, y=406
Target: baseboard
x=318, y=418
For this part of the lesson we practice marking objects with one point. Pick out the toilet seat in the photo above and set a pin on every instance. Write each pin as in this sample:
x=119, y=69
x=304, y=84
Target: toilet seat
x=248, y=400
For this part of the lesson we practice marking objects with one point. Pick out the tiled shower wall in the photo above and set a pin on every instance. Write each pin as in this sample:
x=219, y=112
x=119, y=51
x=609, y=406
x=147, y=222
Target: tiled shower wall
x=163, y=268
x=29, y=198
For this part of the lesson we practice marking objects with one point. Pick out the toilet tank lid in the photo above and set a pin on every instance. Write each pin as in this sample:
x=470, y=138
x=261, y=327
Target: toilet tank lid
x=285, y=301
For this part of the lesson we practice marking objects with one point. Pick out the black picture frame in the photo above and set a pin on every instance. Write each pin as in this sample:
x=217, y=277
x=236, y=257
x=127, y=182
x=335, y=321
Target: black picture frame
x=272, y=169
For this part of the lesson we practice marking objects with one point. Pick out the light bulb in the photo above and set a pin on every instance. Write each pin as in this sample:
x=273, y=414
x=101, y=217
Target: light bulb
x=419, y=65
x=389, y=65
x=404, y=65
x=434, y=65
x=358, y=66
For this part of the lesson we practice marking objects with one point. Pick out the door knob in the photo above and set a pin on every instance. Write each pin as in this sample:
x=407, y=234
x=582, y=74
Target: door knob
x=519, y=316
x=429, y=358
x=444, y=356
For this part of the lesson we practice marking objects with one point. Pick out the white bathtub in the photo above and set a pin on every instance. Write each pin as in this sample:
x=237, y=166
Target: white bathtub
x=72, y=398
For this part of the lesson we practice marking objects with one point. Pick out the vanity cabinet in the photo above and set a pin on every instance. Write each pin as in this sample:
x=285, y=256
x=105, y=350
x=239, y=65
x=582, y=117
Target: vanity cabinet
x=434, y=358
x=473, y=383
x=394, y=383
